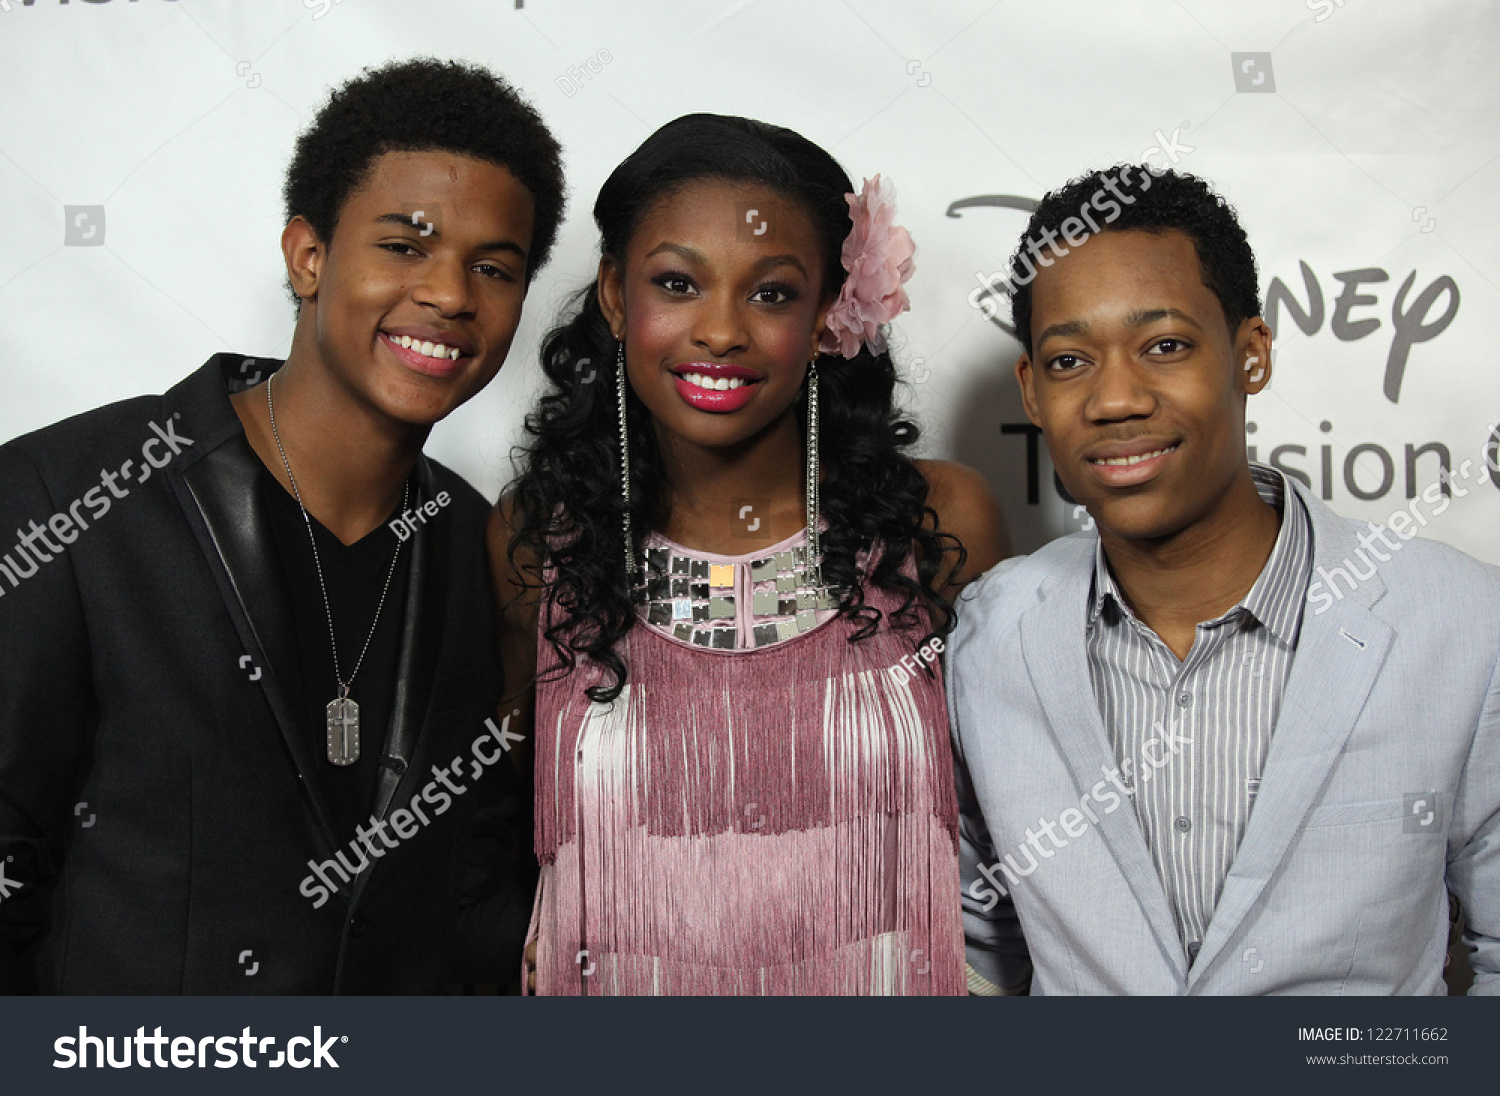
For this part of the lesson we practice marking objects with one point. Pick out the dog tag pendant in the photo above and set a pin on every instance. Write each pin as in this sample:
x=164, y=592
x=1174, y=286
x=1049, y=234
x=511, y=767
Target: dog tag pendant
x=343, y=731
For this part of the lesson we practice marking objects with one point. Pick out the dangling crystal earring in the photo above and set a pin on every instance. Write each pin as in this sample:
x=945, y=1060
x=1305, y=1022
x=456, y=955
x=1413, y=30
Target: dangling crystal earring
x=620, y=383
x=814, y=534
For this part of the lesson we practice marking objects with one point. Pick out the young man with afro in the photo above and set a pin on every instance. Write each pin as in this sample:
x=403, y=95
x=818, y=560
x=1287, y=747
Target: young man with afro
x=248, y=686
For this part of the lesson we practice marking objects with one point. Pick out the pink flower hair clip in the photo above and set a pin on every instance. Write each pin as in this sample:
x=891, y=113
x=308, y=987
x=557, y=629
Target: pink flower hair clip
x=878, y=257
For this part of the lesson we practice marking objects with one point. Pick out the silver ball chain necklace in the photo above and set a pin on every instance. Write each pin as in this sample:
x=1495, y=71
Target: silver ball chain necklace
x=343, y=713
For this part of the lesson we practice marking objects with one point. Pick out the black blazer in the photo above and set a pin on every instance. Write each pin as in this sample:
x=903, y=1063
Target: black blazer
x=158, y=809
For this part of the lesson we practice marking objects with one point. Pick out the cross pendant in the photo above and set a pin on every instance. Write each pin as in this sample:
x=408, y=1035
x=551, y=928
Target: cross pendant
x=343, y=731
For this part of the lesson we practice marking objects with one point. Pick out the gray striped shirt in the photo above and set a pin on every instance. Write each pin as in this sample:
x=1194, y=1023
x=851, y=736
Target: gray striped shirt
x=1191, y=737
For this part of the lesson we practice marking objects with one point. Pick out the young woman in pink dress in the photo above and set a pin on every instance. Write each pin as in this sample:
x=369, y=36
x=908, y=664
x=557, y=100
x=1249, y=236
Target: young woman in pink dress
x=729, y=583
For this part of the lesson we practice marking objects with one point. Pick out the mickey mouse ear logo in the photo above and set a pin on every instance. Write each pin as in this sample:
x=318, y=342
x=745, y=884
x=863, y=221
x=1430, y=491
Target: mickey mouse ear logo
x=993, y=295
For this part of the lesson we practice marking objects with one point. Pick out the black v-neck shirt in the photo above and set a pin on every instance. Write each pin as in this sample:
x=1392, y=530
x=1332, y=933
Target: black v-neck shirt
x=355, y=574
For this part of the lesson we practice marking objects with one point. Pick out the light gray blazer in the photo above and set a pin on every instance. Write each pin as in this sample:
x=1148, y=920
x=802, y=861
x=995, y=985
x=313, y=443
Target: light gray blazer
x=1380, y=793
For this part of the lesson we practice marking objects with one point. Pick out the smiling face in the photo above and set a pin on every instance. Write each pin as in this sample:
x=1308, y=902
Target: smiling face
x=719, y=322
x=1137, y=383
x=414, y=312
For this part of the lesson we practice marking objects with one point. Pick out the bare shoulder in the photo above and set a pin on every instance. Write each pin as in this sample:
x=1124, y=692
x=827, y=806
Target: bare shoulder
x=951, y=483
x=966, y=508
x=503, y=522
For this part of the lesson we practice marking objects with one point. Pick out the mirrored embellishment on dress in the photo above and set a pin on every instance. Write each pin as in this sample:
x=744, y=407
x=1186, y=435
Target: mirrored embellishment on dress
x=677, y=588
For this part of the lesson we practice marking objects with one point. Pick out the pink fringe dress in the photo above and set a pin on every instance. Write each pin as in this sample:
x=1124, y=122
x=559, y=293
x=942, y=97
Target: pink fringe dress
x=776, y=818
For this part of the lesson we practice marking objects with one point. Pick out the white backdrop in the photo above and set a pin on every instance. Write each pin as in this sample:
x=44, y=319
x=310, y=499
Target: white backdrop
x=1357, y=138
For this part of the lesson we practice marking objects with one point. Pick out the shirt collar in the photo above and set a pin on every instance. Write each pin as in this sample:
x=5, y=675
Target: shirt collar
x=1277, y=596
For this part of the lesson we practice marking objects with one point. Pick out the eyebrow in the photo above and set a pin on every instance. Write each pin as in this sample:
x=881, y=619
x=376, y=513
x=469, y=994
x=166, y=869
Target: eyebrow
x=1148, y=316
x=1064, y=330
x=1140, y=318
x=405, y=221
x=693, y=255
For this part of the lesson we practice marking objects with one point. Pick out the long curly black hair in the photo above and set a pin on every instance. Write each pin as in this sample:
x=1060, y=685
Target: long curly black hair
x=567, y=498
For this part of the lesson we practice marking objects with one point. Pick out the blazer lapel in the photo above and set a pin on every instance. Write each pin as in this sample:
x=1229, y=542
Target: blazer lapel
x=416, y=664
x=1054, y=650
x=421, y=635
x=219, y=486
x=222, y=487
x=1339, y=655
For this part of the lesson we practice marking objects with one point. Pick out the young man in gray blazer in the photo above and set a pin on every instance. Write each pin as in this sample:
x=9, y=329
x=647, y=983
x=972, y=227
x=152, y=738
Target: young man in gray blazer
x=1230, y=743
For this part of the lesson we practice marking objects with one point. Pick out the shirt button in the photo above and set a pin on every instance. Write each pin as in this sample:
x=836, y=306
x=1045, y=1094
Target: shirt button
x=1184, y=699
x=1192, y=949
x=1183, y=824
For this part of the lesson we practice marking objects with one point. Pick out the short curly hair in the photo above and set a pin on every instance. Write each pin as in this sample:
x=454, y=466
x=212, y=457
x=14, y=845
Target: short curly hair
x=424, y=104
x=1146, y=200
